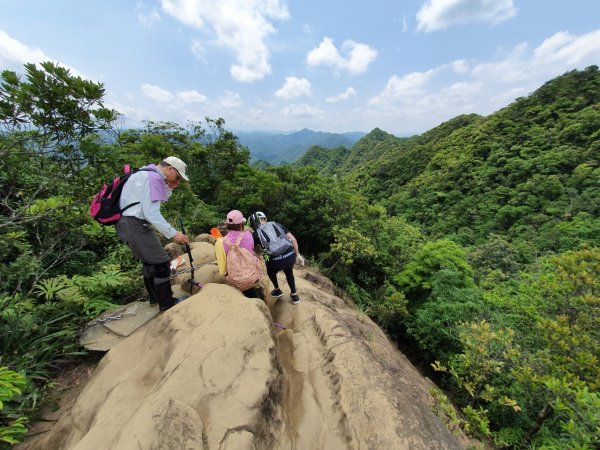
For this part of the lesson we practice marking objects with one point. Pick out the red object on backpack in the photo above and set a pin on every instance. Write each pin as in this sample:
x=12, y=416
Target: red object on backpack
x=105, y=206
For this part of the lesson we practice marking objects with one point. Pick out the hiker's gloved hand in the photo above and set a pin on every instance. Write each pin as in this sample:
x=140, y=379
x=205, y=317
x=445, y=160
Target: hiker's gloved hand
x=299, y=259
x=181, y=238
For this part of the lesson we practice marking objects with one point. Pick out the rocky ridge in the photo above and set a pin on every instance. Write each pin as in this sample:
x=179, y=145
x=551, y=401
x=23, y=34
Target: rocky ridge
x=220, y=371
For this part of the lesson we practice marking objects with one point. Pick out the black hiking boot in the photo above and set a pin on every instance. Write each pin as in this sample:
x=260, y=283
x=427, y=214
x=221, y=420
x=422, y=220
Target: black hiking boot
x=149, y=283
x=164, y=296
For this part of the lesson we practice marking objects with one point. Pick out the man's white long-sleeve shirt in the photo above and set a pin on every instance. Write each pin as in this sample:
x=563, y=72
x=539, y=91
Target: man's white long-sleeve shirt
x=137, y=189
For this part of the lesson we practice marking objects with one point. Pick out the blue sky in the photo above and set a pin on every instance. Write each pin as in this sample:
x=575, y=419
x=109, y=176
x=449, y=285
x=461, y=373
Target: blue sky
x=404, y=66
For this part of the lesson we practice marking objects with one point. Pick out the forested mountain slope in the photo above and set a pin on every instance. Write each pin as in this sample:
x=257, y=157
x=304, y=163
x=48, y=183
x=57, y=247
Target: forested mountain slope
x=276, y=148
x=398, y=161
x=327, y=161
x=529, y=171
x=370, y=148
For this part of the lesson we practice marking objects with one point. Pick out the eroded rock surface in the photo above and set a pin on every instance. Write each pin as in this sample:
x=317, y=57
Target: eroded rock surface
x=220, y=371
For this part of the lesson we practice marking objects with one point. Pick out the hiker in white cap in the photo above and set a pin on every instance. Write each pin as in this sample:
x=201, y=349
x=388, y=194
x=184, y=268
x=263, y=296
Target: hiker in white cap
x=142, y=195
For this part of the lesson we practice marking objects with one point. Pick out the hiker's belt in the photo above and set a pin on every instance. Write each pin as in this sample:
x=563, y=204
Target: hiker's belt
x=135, y=219
x=285, y=255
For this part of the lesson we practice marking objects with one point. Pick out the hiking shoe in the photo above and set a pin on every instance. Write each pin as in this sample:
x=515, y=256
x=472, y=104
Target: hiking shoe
x=295, y=299
x=276, y=293
x=180, y=299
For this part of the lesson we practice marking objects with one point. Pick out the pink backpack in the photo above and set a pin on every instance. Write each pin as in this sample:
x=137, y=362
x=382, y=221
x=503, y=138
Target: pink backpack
x=105, y=206
x=243, y=268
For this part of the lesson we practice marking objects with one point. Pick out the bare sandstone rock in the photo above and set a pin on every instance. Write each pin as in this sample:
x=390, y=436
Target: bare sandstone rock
x=190, y=379
x=220, y=371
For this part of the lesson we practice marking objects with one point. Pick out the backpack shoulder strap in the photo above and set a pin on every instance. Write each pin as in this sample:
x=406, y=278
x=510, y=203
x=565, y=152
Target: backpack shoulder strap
x=278, y=229
x=239, y=239
x=261, y=232
x=124, y=179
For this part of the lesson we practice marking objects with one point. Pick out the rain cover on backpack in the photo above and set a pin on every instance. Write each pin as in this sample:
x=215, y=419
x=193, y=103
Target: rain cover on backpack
x=273, y=239
x=243, y=268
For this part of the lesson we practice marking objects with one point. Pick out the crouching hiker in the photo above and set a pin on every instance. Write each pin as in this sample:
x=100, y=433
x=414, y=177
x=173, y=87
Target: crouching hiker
x=236, y=258
x=142, y=195
x=281, y=249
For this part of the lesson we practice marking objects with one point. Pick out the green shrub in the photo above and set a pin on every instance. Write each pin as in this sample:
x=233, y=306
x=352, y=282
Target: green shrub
x=416, y=279
x=12, y=427
x=435, y=325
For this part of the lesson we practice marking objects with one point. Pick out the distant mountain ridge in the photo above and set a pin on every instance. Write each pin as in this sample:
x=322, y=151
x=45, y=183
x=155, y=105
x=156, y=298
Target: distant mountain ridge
x=278, y=148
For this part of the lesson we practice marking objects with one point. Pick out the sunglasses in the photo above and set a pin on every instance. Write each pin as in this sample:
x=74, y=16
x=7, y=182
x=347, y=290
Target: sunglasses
x=179, y=177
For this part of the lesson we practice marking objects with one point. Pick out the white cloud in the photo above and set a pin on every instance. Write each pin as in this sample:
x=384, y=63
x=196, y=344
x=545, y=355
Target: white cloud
x=147, y=16
x=230, y=100
x=294, y=87
x=557, y=54
x=505, y=97
x=357, y=60
x=403, y=22
x=159, y=104
x=324, y=54
x=133, y=116
x=403, y=88
x=463, y=94
x=552, y=44
x=507, y=70
x=13, y=54
x=198, y=50
x=257, y=114
x=189, y=12
x=460, y=66
x=191, y=96
x=566, y=49
x=441, y=14
x=422, y=100
x=348, y=93
x=240, y=25
x=156, y=93
x=303, y=111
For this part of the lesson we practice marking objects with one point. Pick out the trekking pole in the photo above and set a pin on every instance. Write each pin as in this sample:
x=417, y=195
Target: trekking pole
x=189, y=252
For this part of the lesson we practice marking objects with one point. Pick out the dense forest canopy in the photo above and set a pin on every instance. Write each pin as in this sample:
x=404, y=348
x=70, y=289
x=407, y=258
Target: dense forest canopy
x=477, y=242
x=528, y=172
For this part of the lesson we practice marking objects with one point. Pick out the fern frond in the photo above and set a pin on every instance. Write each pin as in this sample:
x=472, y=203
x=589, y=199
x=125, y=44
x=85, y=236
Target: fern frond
x=110, y=278
x=50, y=287
x=73, y=294
x=96, y=306
x=15, y=304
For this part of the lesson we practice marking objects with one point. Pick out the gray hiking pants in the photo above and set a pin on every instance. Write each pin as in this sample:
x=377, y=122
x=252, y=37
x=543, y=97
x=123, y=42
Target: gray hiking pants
x=145, y=246
x=142, y=240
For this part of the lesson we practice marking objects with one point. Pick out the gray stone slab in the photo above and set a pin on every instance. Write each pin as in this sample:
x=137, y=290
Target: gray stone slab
x=102, y=333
